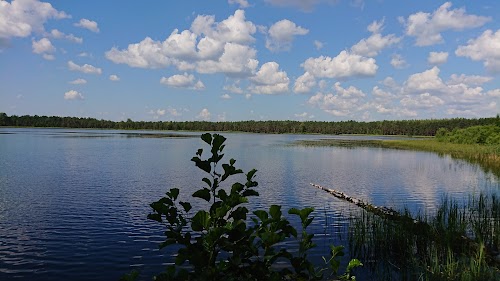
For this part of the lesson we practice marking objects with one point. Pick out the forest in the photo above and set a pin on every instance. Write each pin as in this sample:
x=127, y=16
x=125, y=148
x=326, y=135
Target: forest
x=427, y=127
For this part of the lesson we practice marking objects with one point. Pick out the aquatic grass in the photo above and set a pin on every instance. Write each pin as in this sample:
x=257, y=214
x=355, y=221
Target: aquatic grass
x=485, y=220
x=459, y=242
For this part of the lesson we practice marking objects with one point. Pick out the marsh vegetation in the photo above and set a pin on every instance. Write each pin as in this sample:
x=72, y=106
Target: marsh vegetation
x=457, y=242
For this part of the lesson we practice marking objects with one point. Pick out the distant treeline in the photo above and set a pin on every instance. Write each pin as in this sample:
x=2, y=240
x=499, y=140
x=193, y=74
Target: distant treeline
x=400, y=127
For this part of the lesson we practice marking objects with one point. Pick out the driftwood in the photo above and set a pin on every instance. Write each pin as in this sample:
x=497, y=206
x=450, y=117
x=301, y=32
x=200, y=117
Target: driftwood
x=380, y=211
x=492, y=256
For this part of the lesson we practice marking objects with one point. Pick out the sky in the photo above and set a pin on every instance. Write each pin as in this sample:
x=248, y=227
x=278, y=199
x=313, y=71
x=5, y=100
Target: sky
x=232, y=60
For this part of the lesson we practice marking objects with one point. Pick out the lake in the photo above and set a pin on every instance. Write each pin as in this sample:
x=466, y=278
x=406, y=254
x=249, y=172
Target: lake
x=73, y=203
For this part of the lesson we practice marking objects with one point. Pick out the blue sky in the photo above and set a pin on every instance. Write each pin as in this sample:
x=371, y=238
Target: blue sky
x=250, y=60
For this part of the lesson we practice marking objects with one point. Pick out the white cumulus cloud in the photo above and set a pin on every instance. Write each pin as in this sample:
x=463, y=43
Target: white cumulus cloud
x=304, y=84
x=427, y=27
x=397, y=61
x=204, y=115
x=304, y=115
x=241, y=3
x=235, y=28
x=234, y=88
x=269, y=80
x=494, y=93
x=437, y=57
x=424, y=100
x=43, y=46
x=88, y=24
x=20, y=18
x=344, y=65
x=342, y=102
x=183, y=81
x=237, y=60
x=281, y=35
x=472, y=80
x=460, y=93
x=485, y=48
x=78, y=81
x=60, y=35
x=428, y=80
x=73, y=95
x=374, y=44
x=208, y=47
x=86, y=68
x=160, y=112
x=318, y=44
x=145, y=54
x=48, y=56
x=114, y=77
x=157, y=113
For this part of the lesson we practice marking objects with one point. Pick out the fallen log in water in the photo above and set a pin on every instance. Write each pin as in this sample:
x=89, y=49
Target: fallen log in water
x=492, y=256
x=380, y=211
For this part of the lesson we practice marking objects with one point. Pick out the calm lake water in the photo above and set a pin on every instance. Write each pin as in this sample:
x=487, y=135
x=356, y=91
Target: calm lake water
x=73, y=203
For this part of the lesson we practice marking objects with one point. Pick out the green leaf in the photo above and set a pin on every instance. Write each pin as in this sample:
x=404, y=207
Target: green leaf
x=201, y=221
x=275, y=211
x=337, y=251
x=166, y=200
x=236, y=187
x=308, y=222
x=155, y=217
x=202, y=164
x=174, y=193
x=221, y=211
x=222, y=194
x=251, y=174
x=250, y=192
x=290, y=229
x=215, y=206
x=186, y=206
x=199, y=152
x=232, y=161
x=304, y=213
x=207, y=181
x=159, y=207
x=207, y=137
x=218, y=140
x=261, y=214
x=203, y=194
x=294, y=211
x=240, y=213
x=353, y=264
x=334, y=265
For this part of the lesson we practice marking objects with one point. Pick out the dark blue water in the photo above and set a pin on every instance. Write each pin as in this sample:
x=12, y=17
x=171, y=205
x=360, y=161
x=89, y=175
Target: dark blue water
x=73, y=203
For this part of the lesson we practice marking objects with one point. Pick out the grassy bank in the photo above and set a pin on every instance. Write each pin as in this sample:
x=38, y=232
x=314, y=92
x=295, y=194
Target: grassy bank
x=487, y=156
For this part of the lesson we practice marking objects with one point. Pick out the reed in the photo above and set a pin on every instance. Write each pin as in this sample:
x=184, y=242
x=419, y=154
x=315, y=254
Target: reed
x=401, y=250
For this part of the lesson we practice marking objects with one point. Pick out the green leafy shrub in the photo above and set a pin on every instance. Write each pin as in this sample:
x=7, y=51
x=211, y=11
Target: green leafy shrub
x=489, y=135
x=442, y=134
x=220, y=243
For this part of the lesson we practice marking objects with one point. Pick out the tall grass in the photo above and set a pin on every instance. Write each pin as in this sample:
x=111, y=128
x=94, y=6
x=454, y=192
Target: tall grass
x=488, y=156
x=455, y=243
